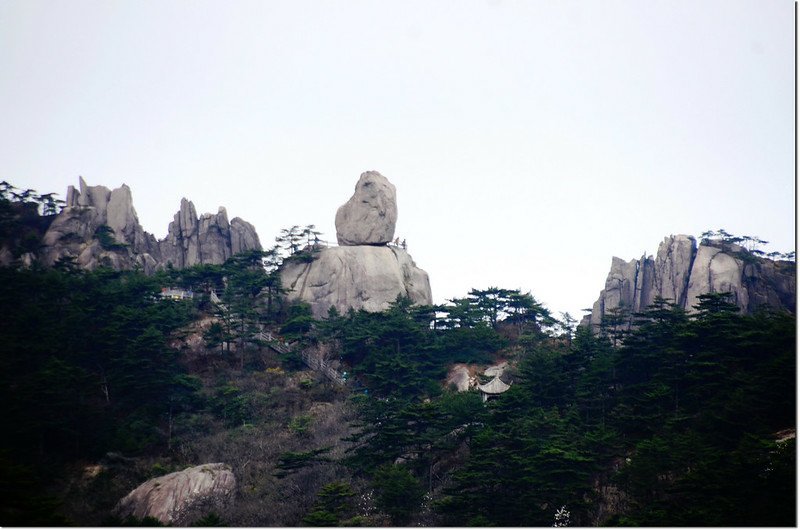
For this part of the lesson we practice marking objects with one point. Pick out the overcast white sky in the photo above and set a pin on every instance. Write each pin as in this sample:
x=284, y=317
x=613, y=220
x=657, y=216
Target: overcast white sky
x=529, y=141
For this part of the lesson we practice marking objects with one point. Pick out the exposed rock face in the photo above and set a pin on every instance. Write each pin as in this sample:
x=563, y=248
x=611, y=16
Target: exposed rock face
x=181, y=497
x=363, y=273
x=243, y=236
x=208, y=239
x=363, y=277
x=682, y=271
x=770, y=283
x=459, y=377
x=496, y=370
x=190, y=240
x=716, y=271
x=620, y=288
x=214, y=237
x=74, y=231
x=369, y=217
x=122, y=218
x=672, y=267
x=180, y=246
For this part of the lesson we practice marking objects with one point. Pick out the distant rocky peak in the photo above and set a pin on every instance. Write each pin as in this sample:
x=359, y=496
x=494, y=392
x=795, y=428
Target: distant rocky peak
x=205, y=239
x=93, y=196
x=682, y=272
x=100, y=226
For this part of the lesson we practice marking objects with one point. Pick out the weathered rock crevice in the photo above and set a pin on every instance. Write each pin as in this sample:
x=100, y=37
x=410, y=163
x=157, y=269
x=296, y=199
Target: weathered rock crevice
x=685, y=286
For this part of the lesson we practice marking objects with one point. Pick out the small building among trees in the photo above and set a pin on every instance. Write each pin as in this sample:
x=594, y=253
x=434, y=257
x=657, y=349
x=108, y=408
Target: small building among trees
x=175, y=293
x=492, y=389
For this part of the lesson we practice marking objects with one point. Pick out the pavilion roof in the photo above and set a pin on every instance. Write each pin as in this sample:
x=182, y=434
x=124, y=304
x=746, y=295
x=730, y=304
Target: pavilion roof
x=495, y=386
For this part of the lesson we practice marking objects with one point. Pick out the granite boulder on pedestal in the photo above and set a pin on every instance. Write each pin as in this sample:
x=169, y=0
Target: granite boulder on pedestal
x=363, y=277
x=364, y=272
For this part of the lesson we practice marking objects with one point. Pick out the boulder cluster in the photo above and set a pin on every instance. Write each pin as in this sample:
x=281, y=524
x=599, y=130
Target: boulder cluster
x=682, y=271
x=100, y=226
x=365, y=271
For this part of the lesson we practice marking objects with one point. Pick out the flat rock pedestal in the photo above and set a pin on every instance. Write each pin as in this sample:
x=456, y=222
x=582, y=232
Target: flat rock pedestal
x=363, y=277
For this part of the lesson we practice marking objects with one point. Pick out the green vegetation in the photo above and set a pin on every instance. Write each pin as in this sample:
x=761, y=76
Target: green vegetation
x=679, y=420
x=685, y=420
x=46, y=203
x=751, y=244
x=105, y=235
x=24, y=218
x=675, y=425
x=334, y=507
x=85, y=366
x=91, y=374
x=85, y=348
x=399, y=493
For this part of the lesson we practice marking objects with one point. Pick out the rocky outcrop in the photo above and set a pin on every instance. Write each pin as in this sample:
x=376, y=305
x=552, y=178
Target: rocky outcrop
x=181, y=497
x=670, y=272
x=460, y=378
x=208, y=239
x=214, y=237
x=770, y=283
x=363, y=273
x=369, y=217
x=682, y=271
x=464, y=377
x=99, y=226
x=180, y=247
x=496, y=370
x=6, y=257
x=716, y=271
x=620, y=289
x=363, y=277
x=243, y=236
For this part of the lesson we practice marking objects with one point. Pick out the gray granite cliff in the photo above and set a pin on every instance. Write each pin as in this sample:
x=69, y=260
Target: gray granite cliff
x=98, y=226
x=682, y=271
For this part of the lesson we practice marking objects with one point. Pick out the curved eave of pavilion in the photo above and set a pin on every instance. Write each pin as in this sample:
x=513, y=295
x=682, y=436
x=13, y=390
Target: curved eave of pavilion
x=495, y=386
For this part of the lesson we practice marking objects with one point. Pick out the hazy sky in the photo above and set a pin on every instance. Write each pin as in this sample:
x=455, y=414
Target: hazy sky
x=529, y=141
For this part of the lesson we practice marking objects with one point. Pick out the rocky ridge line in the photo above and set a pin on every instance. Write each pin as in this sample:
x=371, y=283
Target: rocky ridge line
x=682, y=271
x=100, y=226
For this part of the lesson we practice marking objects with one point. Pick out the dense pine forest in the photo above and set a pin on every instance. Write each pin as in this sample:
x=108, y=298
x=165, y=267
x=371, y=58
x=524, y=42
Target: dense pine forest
x=686, y=420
